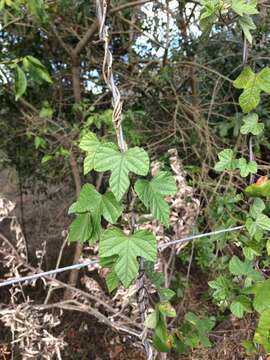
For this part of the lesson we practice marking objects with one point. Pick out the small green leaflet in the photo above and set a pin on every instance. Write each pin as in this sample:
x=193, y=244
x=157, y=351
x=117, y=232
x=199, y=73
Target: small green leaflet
x=246, y=167
x=202, y=326
x=90, y=144
x=91, y=206
x=93, y=201
x=247, y=24
x=257, y=208
x=243, y=268
x=20, y=82
x=222, y=287
x=226, y=161
x=251, y=125
x=135, y=160
x=261, y=291
x=262, y=222
x=127, y=248
x=151, y=193
x=252, y=85
x=242, y=7
x=240, y=306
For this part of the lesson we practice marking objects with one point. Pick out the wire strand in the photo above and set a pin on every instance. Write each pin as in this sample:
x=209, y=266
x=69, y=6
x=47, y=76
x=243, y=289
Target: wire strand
x=92, y=262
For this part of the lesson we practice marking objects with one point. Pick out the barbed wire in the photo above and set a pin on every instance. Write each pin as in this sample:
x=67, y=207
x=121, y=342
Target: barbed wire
x=92, y=262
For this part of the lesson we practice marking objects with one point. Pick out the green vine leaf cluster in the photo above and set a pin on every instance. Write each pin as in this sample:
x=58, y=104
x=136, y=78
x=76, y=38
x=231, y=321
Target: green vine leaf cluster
x=213, y=10
x=228, y=162
x=118, y=251
x=252, y=85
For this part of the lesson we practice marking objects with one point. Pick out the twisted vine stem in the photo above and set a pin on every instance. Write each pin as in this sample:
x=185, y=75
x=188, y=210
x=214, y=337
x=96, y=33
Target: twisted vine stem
x=102, y=7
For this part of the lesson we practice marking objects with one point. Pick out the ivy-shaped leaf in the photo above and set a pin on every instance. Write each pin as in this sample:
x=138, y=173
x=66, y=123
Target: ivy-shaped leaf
x=90, y=200
x=94, y=205
x=135, y=160
x=247, y=167
x=89, y=143
x=151, y=194
x=20, y=82
x=251, y=125
x=243, y=268
x=226, y=161
x=127, y=248
x=252, y=84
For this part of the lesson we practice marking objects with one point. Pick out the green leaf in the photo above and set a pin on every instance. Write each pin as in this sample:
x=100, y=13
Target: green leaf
x=246, y=76
x=20, y=82
x=257, y=208
x=247, y=167
x=222, y=287
x=226, y=161
x=247, y=24
x=251, y=125
x=37, y=69
x=263, y=222
x=166, y=294
x=243, y=268
x=264, y=80
x=252, y=84
x=242, y=7
x=249, y=99
x=88, y=200
x=90, y=144
x=36, y=8
x=151, y=320
x=268, y=247
x=202, y=326
x=112, y=281
x=262, y=333
x=93, y=201
x=151, y=194
x=111, y=209
x=166, y=309
x=260, y=189
x=81, y=228
x=46, y=111
x=127, y=247
x=261, y=291
x=96, y=205
x=240, y=306
x=120, y=164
